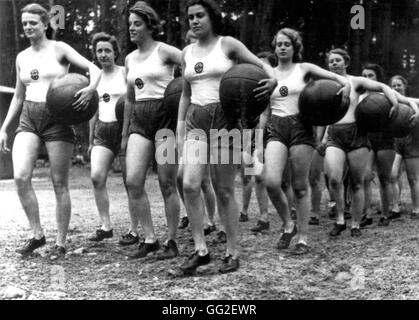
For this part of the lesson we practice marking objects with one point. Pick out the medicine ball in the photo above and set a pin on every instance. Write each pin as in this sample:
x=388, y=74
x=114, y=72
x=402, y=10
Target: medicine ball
x=237, y=97
x=400, y=124
x=372, y=113
x=60, y=97
x=319, y=104
x=172, y=95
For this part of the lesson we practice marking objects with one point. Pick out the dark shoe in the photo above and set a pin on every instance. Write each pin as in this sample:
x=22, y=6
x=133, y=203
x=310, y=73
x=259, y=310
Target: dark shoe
x=414, y=215
x=170, y=251
x=128, y=239
x=144, y=249
x=101, y=234
x=332, y=212
x=365, y=222
x=183, y=223
x=394, y=215
x=194, y=261
x=243, y=217
x=337, y=229
x=30, y=246
x=209, y=229
x=300, y=249
x=56, y=252
x=229, y=265
x=355, y=232
x=221, y=237
x=383, y=222
x=314, y=221
x=284, y=241
x=260, y=226
x=293, y=214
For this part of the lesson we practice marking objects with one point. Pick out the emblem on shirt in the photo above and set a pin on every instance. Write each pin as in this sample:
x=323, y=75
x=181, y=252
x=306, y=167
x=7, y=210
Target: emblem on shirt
x=139, y=83
x=199, y=67
x=106, y=97
x=283, y=91
x=34, y=74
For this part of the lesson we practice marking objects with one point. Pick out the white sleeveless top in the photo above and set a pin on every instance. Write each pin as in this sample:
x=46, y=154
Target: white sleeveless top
x=204, y=74
x=110, y=89
x=38, y=70
x=150, y=77
x=284, y=99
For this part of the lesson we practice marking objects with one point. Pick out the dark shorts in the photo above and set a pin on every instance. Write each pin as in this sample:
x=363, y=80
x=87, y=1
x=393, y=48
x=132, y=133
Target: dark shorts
x=36, y=118
x=408, y=147
x=108, y=135
x=209, y=124
x=347, y=137
x=290, y=131
x=148, y=117
x=380, y=141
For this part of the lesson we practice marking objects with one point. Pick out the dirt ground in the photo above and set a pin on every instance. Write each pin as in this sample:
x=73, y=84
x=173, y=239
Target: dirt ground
x=382, y=264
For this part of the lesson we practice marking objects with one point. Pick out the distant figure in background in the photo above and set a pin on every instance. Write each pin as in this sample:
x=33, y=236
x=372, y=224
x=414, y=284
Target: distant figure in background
x=407, y=151
x=105, y=129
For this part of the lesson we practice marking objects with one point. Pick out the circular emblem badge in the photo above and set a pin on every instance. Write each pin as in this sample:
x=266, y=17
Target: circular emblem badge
x=139, y=83
x=34, y=74
x=283, y=91
x=106, y=97
x=199, y=67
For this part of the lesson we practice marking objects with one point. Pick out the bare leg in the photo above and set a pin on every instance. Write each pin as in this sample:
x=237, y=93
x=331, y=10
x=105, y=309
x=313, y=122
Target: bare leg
x=357, y=163
x=25, y=152
x=276, y=156
x=334, y=166
x=315, y=180
x=300, y=160
x=412, y=170
x=139, y=153
x=385, y=159
x=395, y=181
x=101, y=162
x=59, y=154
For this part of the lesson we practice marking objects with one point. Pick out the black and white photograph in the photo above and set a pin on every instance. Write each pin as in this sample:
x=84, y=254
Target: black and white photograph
x=222, y=151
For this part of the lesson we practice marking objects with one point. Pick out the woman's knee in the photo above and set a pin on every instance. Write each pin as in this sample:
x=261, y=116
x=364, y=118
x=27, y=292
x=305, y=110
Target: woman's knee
x=168, y=187
x=191, y=188
x=22, y=182
x=225, y=194
x=98, y=180
x=60, y=185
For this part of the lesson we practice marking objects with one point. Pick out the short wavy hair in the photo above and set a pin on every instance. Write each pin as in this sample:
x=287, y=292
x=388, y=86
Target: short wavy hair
x=378, y=70
x=296, y=40
x=343, y=53
x=149, y=15
x=36, y=8
x=399, y=77
x=102, y=36
x=213, y=10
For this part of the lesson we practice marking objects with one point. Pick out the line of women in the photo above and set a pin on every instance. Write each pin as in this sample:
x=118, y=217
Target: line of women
x=287, y=152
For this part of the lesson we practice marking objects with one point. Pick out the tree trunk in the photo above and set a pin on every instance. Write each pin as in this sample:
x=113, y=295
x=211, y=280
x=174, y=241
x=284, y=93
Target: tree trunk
x=122, y=34
x=16, y=25
x=182, y=19
x=366, y=37
x=386, y=33
x=104, y=15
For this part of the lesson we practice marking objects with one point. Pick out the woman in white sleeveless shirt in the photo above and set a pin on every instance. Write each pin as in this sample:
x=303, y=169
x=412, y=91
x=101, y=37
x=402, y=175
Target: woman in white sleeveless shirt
x=288, y=139
x=105, y=129
x=36, y=67
x=348, y=145
x=149, y=69
x=203, y=65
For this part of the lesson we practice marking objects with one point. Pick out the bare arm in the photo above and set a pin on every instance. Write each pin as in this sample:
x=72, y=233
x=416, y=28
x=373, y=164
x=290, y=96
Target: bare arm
x=129, y=102
x=237, y=50
x=324, y=74
x=185, y=101
x=15, y=109
x=72, y=56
